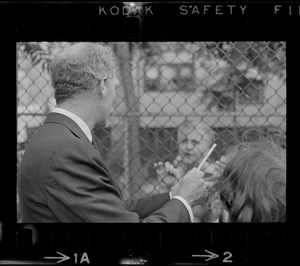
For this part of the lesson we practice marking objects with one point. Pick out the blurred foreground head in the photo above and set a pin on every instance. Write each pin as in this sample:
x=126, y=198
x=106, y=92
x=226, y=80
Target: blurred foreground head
x=253, y=184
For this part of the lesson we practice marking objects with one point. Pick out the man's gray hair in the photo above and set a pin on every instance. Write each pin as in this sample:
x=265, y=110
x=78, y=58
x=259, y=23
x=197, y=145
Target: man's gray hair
x=79, y=69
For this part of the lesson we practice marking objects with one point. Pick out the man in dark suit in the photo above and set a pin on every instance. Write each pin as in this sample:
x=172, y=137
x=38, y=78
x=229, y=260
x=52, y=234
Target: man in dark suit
x=62, y=177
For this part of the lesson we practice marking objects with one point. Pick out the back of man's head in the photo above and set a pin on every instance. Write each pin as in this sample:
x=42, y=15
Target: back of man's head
x=79, y=69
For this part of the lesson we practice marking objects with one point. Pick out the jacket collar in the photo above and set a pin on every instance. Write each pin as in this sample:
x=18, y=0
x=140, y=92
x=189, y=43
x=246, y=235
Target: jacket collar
x=68, y=122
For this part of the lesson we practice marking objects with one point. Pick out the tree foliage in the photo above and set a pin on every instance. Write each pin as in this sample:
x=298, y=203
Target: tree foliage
x=39, y=52
x=238, y=65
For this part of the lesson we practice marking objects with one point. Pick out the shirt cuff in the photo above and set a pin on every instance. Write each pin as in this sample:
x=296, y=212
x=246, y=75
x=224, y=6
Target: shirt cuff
x=186, y=205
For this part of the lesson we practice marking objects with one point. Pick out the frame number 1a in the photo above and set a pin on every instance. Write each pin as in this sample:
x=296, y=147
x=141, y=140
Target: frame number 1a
x=84, y=258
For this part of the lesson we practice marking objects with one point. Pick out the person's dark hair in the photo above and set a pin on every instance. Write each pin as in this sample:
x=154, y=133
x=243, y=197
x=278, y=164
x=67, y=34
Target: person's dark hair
x=255, y=134
x=253, y=184
x=80, y=68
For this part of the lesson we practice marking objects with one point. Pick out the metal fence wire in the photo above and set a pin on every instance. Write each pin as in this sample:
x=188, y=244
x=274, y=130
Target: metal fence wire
x=230, y=86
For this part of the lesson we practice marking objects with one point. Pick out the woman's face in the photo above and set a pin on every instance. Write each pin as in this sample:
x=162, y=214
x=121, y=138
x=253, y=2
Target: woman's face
x=193, y=146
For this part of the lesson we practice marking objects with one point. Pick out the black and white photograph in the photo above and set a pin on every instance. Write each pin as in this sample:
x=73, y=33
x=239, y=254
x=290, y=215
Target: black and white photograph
x=153, y=110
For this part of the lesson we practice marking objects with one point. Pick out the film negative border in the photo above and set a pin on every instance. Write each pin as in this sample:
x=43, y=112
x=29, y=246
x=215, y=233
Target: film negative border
x=168, y=244
x=149, y=244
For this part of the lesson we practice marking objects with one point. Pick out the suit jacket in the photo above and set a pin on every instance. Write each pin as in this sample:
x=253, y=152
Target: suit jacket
x=62, y=178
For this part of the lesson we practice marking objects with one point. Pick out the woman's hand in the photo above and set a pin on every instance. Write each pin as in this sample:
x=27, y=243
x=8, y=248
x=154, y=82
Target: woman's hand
x=167, y=173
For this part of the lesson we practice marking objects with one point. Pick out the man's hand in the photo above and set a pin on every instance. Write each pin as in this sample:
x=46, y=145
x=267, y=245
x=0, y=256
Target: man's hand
x=191, y=187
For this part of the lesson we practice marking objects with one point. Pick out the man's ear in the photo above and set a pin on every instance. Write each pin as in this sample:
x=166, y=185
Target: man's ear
x=102, y=89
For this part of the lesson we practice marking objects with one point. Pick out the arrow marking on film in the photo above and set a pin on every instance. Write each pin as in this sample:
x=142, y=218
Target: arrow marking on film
x=63, y=258
x=210, y=257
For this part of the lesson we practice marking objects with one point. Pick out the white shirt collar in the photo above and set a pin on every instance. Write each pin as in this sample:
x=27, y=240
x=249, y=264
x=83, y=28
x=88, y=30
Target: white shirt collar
x=84, y=127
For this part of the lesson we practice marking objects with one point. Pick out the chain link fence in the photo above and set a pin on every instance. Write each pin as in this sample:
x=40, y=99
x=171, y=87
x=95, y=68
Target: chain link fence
x=230, y=86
